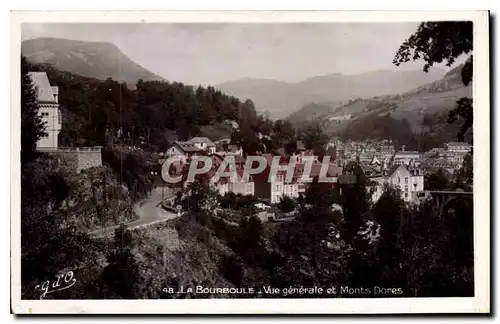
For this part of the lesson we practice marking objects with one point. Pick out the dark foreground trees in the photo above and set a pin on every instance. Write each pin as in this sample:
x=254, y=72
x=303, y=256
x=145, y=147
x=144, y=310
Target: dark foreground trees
x=121, y=276
x=32, y=127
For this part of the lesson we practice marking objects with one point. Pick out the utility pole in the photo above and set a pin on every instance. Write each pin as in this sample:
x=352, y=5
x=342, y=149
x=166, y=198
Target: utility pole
x=94, y=198
x=104, y=197
x=104, y=191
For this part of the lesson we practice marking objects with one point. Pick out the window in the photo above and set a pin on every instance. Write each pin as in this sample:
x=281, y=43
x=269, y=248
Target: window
x=406, y=195
x=406, y=180
x=45, y=114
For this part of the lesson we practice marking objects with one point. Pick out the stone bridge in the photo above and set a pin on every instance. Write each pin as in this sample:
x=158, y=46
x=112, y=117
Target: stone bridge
x=443, y=197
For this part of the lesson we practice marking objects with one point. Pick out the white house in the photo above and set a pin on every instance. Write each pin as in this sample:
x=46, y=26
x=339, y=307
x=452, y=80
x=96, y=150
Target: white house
x=242, y=187
x=234, y=184
x=410, y=180
x=280, y=188
x=203, y=143
x=182, y=151
x=48, y=109
x=273, y=187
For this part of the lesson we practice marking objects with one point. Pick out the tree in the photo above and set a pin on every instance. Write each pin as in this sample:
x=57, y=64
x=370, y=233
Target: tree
x=96, y=125
x=309, y=242
x=251, y=232
x=465, y=175
x=462, y=111
x=390, y=212
x=314, y=137
x=435, y=42
x=247, y=139
x=49, y=242
x=266, y=125
x=283, y=131
x=231, y=267
x=247, y=113
x=32, y=127
x=122, y=272
x=437, y=180
x=286, y=204
x=321, y=194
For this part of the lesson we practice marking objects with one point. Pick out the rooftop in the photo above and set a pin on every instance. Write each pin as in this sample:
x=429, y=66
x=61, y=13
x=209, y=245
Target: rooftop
x=202, y=140
x=45, y=92
x=458, y=144
x=187, y=146
x=407, y=153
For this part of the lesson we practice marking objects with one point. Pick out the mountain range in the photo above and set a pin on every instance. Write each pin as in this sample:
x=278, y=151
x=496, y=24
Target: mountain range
x=281, y=99
x=305, y=100
x=98, y=60
x=435, y=98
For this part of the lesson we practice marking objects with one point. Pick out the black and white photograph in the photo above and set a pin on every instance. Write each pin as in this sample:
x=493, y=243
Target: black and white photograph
x=326, y=164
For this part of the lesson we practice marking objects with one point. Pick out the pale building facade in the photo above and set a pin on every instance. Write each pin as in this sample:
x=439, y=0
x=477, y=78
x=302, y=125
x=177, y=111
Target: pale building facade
x=73, y=158
x=407, y=158
x=280, y=188
x=48, y=110
x=409, y=180
x=458, y=147
x=204, y=144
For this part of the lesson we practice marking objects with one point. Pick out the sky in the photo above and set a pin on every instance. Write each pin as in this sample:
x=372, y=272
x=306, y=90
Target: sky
x=212, y=53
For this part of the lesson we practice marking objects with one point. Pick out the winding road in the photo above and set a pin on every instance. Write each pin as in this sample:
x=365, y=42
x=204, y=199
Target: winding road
x=148, y=210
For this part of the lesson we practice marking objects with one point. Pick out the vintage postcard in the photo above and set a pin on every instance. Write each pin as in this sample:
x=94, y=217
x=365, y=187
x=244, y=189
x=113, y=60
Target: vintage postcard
x=250, y=162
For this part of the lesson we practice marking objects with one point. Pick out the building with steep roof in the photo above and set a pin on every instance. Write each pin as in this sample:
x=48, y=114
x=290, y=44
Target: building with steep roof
x=408, y=179
x=183, y=151
x=48, y=109
x=72, y=158
x=203, y=143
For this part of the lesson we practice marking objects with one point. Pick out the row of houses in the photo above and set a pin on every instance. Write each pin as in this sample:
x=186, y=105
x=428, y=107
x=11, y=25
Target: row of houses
x=184, y=150
x=407, y=176
x=379, y=163
x=267, y=187
x=450, y=157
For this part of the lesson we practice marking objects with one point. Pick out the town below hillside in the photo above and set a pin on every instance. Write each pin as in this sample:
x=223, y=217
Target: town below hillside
x=387, y=210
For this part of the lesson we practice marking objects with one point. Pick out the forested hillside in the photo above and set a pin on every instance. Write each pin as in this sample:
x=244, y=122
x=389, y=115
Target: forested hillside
x=417, y=118
x=155, y=113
